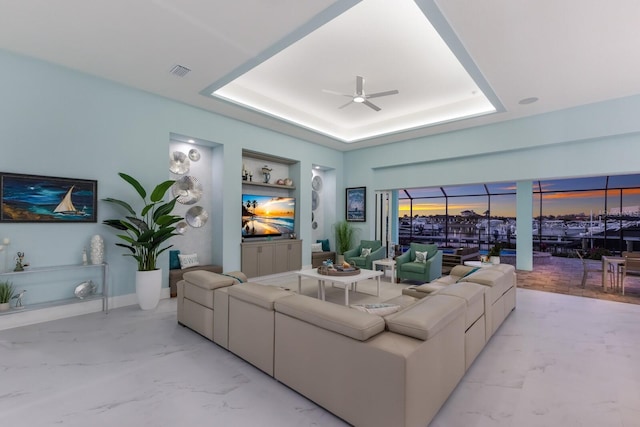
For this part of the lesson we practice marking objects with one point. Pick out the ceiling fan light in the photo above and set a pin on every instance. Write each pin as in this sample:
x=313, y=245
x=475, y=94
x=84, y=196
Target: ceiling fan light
x=358, y=99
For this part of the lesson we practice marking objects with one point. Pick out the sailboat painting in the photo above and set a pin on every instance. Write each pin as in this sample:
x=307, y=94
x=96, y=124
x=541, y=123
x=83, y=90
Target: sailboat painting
x=33, y=198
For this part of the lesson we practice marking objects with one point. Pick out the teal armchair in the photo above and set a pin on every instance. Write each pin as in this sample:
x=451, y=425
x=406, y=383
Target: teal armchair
x=408, y=268
x=354, y=256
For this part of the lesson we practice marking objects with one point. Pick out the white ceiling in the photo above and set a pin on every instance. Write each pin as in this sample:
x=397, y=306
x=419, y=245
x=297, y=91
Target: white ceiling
x=566, y=53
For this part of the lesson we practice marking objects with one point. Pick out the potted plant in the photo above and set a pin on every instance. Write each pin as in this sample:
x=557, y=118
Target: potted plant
x=494, y=253
x=6, y=293
x=144, y=234
x=344, y=238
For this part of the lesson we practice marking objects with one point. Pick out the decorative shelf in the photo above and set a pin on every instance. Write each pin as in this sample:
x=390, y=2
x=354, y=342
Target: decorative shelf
x=262, y=184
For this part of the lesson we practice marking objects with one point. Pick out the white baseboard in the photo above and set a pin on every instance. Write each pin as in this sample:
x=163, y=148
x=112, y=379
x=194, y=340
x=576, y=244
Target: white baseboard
x=16, y=318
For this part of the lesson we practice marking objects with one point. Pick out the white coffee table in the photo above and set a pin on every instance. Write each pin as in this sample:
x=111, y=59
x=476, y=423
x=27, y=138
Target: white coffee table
x=477, y=264
x=386, y=263
x=347, y=281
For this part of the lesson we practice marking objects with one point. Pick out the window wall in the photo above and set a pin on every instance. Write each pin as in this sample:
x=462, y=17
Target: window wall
x=589, y=213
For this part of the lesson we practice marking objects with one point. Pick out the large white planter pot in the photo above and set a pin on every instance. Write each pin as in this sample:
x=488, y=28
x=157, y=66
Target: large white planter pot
x=148, y=287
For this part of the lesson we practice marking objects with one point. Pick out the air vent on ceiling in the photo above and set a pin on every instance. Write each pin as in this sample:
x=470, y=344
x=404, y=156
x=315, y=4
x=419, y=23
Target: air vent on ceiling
x=179, y=71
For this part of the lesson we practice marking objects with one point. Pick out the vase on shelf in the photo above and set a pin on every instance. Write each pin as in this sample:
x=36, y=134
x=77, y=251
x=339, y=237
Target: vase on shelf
x=97, y=250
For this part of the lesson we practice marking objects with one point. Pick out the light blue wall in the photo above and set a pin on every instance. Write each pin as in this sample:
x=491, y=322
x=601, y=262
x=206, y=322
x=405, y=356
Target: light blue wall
x=59, y=122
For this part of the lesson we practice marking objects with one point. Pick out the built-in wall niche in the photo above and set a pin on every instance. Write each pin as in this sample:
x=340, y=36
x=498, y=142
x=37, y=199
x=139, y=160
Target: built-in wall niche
x=259, y=168
x=190, y=165
x=323, y=203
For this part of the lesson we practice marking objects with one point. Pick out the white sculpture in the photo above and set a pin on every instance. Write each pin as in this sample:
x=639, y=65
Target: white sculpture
x=97, y=250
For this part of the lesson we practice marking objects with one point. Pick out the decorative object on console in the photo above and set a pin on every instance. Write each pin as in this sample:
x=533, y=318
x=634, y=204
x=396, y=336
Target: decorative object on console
x=266, y=171
x=196, y=216
x=187, y=189
x=356, y=204
x=288, y=182
x=18, y=297
x=85, y=259
x=194, y=155
x=58, y=199
x=179, y=163
x=6, y=293
x=20, y=264
x=97, y=249
x=145, y=234
x=85, y=289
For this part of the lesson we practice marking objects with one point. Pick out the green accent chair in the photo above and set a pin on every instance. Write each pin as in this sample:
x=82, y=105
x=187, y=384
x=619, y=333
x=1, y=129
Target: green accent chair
x=354, y=256
x=408, y=269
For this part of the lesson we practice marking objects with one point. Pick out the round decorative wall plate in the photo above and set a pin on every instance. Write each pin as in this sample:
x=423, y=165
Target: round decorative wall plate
x=315, y=200
x=196, y=216
x=314, y=225
x=316, y=183
x=179, y=163
x=194, y=154
x=187, y=189
x=181, y=227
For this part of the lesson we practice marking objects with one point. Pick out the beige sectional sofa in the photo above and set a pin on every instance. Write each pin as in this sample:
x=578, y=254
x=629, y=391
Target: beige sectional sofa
x=369, y=370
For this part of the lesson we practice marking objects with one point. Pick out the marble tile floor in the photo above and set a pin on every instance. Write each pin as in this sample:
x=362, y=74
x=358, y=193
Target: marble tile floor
x=558, y=360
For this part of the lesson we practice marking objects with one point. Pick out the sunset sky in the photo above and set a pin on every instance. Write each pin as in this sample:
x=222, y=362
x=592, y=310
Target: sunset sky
x=554, y=203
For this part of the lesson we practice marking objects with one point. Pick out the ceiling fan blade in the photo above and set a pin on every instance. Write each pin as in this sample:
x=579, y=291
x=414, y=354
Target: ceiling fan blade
x=372, y=106
x=379, y=94
x=359, y=85
x=333, y=92
x=345, y=105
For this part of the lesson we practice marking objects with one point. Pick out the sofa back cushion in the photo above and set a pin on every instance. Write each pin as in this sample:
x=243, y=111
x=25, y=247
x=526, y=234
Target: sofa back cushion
x=427, y=317
x=422, y=247
x=261, y=295
x=371, y=244
x=333, y=317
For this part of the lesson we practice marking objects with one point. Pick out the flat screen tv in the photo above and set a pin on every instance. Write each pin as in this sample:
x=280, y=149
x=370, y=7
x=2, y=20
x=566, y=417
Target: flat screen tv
x=264, y=216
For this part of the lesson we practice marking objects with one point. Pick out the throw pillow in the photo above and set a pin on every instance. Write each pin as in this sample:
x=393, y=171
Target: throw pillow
x=325, y=245
x=188, y=260
x=316, y=247
x=473, y=270
x=381, y=309
x=174, y=261
x=365, y=252
x=422, y=257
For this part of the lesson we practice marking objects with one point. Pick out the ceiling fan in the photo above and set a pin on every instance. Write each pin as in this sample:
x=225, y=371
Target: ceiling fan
x=360, y=97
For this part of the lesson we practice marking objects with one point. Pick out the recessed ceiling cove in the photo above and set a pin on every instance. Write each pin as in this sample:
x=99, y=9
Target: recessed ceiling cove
x=377, y=47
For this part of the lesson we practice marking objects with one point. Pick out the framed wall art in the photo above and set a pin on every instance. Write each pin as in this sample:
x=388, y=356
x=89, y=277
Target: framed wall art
x=356, y=205
x=34, y=198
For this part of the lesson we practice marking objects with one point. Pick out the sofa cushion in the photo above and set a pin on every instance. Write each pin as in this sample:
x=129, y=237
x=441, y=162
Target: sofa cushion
x=422, y=257
x=424, y=319
x=365, y=252
x=325, y=244
x=316, y=247
x=472, y=294
x=174, y=261
x=469, y=273
x=207, y=280
x=414, y=267
x=257, y=294
x=381, y=309
x=333, y=317
x=188, y=260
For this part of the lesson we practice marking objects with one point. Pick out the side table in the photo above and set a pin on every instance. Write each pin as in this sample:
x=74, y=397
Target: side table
x=386, y=263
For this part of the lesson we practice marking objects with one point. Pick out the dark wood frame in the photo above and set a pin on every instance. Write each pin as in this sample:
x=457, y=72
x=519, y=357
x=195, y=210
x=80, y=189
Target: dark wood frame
x=351, y=196
x=18, y=204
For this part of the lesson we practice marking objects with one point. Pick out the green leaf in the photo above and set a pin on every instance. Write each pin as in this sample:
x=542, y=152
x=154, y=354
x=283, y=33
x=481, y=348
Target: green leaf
x=160, y=190
x=135, y=184
x=125, y=205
